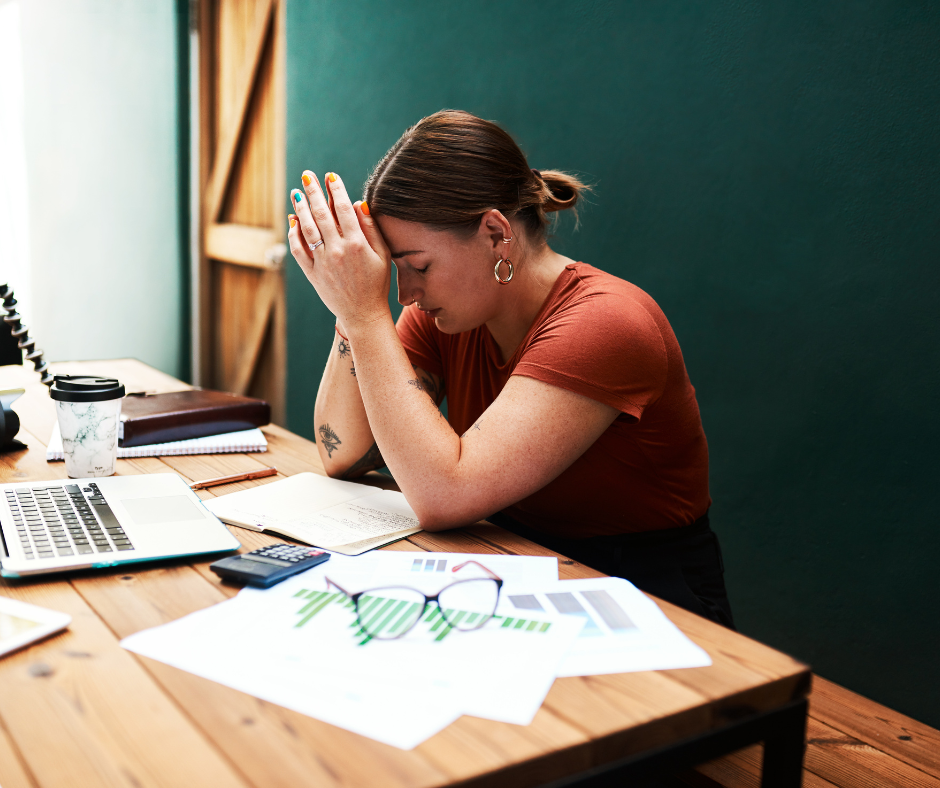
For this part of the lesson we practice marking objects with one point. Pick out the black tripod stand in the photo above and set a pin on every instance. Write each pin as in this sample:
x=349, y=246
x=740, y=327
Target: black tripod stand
x=14, y=342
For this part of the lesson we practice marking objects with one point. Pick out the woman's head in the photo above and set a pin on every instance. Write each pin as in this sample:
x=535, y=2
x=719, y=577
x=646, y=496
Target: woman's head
x=452, y=167
x=453, y=198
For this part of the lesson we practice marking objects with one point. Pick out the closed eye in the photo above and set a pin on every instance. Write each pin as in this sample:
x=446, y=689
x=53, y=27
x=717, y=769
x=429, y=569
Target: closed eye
x=422, y=270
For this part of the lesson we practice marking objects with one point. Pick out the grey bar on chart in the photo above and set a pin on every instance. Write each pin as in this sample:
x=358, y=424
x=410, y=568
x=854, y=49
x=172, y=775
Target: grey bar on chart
x=614, y=616
x=441, y=565
x=566, y=603
x=525, y=602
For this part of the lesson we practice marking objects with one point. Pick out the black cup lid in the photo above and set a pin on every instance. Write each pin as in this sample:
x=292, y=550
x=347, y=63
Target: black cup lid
x=85, y=388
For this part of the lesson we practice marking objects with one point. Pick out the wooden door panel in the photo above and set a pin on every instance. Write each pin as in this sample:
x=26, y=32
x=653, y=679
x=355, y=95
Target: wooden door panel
x=242, y=118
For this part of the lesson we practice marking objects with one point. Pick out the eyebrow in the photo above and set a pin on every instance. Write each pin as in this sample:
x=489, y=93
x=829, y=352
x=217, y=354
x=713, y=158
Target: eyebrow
x=405, y=254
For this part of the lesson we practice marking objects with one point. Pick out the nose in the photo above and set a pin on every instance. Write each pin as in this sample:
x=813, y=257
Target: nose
x=409, y=290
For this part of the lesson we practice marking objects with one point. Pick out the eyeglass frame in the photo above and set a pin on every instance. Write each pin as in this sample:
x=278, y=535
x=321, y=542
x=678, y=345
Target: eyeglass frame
x=354, y=598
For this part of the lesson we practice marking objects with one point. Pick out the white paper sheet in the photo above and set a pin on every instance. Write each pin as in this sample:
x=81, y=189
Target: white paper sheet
x=624, y=629
x=515, y=570
x=297, y=644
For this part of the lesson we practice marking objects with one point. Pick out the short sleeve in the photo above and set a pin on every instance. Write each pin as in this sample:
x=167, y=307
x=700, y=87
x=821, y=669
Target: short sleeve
x=418, y=336
x=606, y=347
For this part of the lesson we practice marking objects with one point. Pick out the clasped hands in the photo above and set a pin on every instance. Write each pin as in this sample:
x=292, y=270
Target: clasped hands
x=351, y=268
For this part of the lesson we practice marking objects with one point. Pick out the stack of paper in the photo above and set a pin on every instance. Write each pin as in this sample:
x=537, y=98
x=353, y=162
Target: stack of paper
x=298, y=645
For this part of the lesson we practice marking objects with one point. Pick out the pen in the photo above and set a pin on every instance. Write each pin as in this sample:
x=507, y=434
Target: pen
x=235, y=477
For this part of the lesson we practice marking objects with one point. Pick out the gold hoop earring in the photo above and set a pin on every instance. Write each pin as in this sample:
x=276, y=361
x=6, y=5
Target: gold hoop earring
x=499, y=262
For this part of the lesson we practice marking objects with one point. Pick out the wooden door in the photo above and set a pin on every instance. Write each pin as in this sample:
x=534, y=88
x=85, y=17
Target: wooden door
x=241, y=331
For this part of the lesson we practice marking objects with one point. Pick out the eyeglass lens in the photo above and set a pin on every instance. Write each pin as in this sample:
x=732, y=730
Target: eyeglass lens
x=469, y=604
x=388, y=613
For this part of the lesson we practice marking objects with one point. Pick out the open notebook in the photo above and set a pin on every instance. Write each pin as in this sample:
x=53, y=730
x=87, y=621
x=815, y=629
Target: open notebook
x=245, y=440
x=343, y=517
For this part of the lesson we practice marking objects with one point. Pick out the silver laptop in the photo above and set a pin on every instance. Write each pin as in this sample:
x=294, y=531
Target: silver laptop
x=55, y=526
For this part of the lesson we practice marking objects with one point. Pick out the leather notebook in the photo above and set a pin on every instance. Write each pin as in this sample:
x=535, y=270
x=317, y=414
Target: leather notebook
x=180, y=415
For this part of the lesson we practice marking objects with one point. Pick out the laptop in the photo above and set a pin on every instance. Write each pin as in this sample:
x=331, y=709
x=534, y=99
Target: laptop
x=56, y=526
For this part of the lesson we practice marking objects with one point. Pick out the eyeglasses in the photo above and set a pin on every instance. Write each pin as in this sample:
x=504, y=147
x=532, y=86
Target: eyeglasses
x=390, y=612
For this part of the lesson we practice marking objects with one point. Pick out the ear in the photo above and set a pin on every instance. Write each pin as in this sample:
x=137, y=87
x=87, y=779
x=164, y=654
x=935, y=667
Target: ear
x=493, y=228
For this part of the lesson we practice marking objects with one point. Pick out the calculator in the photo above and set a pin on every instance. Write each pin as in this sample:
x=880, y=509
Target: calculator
x=268, y=565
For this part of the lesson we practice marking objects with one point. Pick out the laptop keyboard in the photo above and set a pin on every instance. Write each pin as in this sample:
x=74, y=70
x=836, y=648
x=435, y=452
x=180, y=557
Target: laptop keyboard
x=64, y=521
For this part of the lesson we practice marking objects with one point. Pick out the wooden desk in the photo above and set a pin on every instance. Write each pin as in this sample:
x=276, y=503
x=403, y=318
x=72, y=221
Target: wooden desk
x=78, y=710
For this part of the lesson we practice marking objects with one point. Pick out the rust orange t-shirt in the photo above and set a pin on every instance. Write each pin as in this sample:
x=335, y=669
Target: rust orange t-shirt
x=606, y=339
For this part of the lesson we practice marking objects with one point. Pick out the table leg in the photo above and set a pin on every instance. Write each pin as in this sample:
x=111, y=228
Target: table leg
x=784, y=744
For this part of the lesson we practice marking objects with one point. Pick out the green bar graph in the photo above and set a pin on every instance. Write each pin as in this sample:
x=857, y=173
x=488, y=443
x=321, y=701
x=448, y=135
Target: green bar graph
x=383, y=615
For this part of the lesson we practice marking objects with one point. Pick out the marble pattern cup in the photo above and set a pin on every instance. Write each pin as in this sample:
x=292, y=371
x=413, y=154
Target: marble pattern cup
x=89, y=410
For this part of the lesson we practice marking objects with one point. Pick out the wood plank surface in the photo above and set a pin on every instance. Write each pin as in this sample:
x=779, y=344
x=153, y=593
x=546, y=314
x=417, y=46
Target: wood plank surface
x=218, y=736
x=83, y=712
x=14, y=772
x=898, y=735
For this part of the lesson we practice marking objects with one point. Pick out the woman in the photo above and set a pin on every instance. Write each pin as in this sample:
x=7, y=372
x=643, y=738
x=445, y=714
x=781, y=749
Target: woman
x=571, y=419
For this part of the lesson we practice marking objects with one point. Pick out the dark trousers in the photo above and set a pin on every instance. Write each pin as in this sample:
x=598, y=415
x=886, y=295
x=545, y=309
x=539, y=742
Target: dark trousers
x=681, y=565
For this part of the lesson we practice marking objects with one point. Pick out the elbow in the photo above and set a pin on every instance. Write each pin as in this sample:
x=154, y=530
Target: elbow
x=440, y=517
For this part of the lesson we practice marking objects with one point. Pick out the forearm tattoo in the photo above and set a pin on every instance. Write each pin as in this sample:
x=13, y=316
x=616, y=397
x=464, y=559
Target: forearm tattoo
x=329, y=439
x=352, y=370
x=369, y=461
x=426, y=383
x=343, y=348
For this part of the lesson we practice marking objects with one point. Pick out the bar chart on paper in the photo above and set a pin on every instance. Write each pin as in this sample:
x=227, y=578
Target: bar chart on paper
x=606, y=609
x=429, y=565
x=386, y=616
x=624, y=630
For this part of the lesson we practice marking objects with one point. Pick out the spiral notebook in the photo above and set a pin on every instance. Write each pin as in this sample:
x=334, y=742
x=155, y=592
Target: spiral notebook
x=228, y=443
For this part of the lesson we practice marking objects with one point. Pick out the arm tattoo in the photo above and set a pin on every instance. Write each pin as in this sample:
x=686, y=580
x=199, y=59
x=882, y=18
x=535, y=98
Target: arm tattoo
x=369, y=461
x=427, y=384
x=329, y=439
x=352, y=369
x=476, y=426
x=416, y=383
x=343, y=348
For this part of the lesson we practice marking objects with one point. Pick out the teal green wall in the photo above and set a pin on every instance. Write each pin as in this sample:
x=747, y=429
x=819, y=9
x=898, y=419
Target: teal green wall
x=769, y=173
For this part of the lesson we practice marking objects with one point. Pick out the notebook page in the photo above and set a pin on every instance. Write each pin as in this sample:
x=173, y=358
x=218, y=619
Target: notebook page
x=318, y=510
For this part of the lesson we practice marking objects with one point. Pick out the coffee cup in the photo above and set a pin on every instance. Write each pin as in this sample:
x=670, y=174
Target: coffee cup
x=89, y=410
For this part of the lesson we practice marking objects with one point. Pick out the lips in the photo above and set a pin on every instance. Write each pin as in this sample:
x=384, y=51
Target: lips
x=430, y=312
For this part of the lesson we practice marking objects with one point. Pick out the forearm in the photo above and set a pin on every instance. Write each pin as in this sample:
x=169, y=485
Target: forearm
x=344, y=439
x=418, y=445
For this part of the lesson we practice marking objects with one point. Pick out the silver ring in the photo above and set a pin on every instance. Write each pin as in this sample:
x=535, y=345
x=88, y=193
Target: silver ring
x=314, y=246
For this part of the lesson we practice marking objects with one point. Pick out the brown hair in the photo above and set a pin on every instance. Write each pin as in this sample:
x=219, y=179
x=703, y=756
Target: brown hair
x=451, y=167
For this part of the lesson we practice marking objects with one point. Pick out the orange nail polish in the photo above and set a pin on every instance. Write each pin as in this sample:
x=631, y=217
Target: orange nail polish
x=365, y=208
x=292, y=219
x=306, y=179
x=332, y=177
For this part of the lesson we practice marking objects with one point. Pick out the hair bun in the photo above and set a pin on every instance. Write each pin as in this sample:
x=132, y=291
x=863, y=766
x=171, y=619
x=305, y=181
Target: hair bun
x=561, y=190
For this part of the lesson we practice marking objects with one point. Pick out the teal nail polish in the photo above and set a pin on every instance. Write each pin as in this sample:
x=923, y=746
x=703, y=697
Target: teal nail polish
x=296, y=196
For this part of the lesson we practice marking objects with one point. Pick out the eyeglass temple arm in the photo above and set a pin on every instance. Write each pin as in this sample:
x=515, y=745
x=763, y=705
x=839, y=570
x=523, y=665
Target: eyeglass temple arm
x=471, y=561
x=337, y=586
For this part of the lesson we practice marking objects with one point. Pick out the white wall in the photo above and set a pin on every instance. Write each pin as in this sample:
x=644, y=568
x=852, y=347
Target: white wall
x=102, y=163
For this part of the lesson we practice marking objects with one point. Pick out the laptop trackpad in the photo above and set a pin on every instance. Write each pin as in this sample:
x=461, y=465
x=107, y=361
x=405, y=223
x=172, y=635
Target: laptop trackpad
x=167, y=509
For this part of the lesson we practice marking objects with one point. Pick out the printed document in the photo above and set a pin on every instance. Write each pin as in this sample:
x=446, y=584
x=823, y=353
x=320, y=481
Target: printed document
x=298, y=645
x=624, y=630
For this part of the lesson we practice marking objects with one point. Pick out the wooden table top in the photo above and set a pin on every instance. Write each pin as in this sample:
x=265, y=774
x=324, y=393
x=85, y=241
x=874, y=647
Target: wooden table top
x=78, y=710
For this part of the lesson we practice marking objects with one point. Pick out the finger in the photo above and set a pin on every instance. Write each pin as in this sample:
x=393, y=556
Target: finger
x=297, y=244
x=318, y=212
x=342, y=205
x=309, y=230
x=370, y=229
